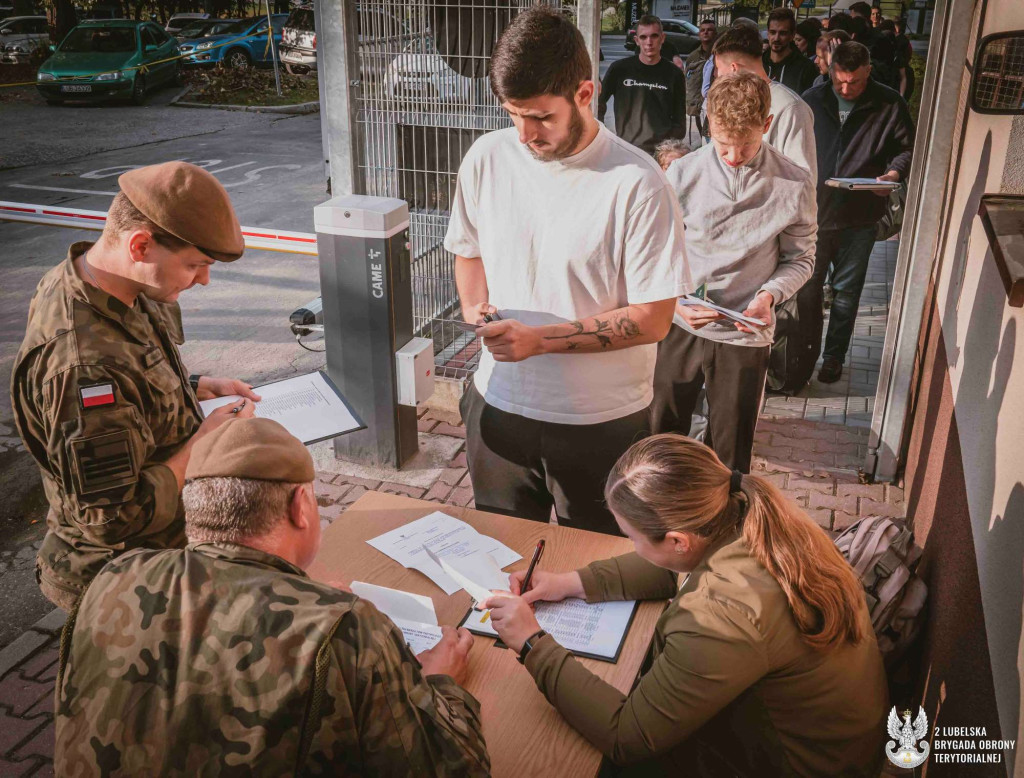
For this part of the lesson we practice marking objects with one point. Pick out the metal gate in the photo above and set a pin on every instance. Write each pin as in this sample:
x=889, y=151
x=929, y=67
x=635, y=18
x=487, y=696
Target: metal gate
x=422, y=98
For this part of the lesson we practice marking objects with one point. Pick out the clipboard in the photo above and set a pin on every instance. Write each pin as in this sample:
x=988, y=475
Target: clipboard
x=499, y=643
x=862, y=184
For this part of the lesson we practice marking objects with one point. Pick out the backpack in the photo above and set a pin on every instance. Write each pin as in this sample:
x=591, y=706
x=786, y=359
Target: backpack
x=796, y=343
x=892, y=220
x=883, y=554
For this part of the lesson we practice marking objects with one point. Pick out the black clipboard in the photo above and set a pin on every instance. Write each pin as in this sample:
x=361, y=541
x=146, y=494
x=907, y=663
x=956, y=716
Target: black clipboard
x=498, y=643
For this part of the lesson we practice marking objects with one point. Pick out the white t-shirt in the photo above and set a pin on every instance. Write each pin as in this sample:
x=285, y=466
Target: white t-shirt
x=562, y=241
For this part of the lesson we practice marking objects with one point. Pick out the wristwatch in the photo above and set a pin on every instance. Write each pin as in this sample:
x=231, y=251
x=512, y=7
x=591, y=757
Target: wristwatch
x=529, y=643
x=193, y=381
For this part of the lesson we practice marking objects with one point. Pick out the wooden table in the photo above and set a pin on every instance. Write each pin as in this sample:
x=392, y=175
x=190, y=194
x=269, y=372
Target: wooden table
x=525, y=735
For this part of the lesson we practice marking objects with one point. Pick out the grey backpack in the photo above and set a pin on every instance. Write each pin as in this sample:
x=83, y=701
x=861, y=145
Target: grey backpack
x=883, y=554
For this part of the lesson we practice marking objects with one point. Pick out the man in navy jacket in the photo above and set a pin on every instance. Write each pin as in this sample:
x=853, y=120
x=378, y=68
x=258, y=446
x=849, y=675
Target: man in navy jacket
x=862, y=129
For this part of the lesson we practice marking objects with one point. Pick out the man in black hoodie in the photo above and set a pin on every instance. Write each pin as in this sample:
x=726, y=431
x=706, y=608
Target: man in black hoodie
x=862, y=129
x=783, y=61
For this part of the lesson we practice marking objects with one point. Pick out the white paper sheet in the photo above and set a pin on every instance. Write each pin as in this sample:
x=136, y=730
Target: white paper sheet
x=307, y=406
x=412, y=613
x=727, y=312
x=582, y=627
x=447, y=537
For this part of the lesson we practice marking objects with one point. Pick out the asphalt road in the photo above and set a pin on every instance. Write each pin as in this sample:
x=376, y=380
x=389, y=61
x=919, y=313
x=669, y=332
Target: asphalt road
x=238, y=325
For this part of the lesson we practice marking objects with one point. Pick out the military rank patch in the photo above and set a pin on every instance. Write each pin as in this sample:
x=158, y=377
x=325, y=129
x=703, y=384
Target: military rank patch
x=104, y=462
x=96, y=395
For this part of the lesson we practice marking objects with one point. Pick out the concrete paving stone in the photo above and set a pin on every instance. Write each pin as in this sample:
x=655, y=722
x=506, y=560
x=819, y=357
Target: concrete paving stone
x=439, y=492
x=324, y=477
x=52, y=623
x=797, y=444
x=774, y=453
x=366, y=483
x=822, y=516
x=894, y=495
x=834, y=446
x=845, y=504
x=871, y=491
x=796, y=496
x=853, y=461
x=875, y=508
x=402, y=489
x=447, y=429
x=18, y=769
x=330, y=513
x=776, y=479
x=426, y=425
x=37, y=664
x=41, y=745
x=43, y=707
x=858, y=420
x=822, y=485
x=19, y=650
x=19, y=694
x=452, y=475
x=328, y=494
x=459, y=461
x=843, y=521
x=461, y=496
x=352, y=496
x=14, y=730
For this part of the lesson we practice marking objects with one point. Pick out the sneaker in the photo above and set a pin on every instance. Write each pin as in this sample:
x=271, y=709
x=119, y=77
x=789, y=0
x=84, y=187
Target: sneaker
x=831, y=370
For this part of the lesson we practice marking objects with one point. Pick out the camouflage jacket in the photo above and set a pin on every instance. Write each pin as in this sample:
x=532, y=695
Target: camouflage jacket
x=101, y=399
x=201, y=661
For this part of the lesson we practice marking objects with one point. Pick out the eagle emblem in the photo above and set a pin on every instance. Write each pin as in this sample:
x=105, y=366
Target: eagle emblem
x=906, y=748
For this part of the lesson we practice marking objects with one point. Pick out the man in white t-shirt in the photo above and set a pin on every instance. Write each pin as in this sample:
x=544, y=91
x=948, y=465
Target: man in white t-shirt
x=572, y=240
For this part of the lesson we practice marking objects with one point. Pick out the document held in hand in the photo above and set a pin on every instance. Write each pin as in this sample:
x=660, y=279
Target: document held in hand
x=412, y=613
x=451, y=539
x=862, y=184
x=309, y=406
x=591, y=629
x=729, y=314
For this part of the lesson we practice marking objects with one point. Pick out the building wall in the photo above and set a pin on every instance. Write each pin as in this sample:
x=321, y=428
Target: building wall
x=965, y=465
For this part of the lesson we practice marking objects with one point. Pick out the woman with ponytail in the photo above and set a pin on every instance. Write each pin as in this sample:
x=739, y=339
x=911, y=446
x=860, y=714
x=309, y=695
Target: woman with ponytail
x=764, y=663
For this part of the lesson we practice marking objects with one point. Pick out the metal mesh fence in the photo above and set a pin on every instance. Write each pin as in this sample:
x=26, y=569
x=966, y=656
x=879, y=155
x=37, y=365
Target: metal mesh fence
x=424, y=98
x=999, y=83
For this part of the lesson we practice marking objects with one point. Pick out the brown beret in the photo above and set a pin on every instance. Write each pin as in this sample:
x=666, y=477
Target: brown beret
x=189, y=203
x=251, y=448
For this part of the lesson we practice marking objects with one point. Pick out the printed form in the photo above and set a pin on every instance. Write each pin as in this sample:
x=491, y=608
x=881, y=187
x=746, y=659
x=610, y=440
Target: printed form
x=308, y=406
x=412, y=613
x=447, y=537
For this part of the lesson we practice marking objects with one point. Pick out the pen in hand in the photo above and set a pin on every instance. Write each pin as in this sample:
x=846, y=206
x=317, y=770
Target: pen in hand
x=238, y=408
x=538, y=552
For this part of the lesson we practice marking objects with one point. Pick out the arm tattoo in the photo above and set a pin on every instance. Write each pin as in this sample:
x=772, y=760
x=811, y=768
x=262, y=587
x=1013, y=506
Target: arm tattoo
x=620, y=325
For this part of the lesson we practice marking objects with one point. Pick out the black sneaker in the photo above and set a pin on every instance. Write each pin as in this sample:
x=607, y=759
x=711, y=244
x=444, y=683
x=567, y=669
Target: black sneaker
x=831, y=370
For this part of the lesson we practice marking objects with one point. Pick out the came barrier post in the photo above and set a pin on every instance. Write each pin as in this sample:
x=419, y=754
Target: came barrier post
x=366, y=288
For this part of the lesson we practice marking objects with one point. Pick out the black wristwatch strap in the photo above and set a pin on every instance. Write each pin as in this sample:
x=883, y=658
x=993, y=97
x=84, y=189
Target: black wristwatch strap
x=193, y=381
x=529, y=643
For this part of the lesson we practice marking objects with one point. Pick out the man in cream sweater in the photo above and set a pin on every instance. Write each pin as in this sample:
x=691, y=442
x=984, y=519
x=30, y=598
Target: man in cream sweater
x=751, y=224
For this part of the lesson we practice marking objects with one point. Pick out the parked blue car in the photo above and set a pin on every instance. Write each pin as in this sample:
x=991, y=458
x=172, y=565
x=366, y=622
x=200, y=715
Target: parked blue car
x=240, y=50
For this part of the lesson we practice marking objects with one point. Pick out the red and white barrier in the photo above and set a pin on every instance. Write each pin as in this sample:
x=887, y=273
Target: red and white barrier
x=59, y=216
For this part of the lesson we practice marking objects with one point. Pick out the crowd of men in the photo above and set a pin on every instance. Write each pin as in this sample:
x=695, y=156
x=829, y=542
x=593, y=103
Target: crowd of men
x=178, y=543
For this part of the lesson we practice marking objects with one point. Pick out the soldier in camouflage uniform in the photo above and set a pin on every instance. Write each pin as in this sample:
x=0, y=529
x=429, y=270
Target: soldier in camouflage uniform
x=224, y=659
x=101, y=398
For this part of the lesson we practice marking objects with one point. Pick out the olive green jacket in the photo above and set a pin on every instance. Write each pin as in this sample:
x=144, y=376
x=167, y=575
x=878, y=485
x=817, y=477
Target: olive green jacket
x=222, y=660
x=729, y=687
x=102, y=465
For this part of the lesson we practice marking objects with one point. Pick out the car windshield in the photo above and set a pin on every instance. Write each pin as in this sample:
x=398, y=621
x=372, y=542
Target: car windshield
x=301, y=19
x=239, y=27
x=194, y=28
x=690, y=28
x=100, y=40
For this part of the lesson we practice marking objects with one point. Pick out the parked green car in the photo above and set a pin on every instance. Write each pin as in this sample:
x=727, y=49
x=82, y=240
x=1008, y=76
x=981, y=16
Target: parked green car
x=101, y=59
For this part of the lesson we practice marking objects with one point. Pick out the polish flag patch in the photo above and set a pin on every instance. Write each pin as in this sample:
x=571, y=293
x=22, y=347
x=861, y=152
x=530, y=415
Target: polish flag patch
x=96, y=395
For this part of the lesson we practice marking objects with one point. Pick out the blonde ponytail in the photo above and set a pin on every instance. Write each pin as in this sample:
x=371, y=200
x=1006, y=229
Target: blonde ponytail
x=670, y=483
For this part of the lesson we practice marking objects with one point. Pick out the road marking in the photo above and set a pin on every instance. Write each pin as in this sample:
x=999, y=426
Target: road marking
x=254, y=175
x=232, y=167
x=62, y=189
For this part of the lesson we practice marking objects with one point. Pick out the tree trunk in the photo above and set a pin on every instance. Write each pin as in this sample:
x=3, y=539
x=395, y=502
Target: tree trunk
x=62, y=19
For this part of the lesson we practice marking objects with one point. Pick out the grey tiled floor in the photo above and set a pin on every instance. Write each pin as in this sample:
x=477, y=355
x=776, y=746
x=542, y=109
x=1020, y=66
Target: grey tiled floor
x=850, y=400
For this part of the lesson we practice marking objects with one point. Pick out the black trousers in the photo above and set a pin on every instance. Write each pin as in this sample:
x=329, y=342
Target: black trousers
x=522, y=467
x=734, y=376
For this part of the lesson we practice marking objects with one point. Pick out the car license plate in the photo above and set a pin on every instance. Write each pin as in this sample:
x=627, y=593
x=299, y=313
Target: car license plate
x=76, y=88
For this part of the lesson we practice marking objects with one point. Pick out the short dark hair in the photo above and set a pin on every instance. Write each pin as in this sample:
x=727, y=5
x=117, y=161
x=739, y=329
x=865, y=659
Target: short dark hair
x=708, y=20
x=850, y=56
x=837, y=35
x=887, y=25
x=811, y=32
x=783, y=15
x=650, y=20
x=840, y=21
x=738, y=40
x=540, y=53
x=860, y=7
